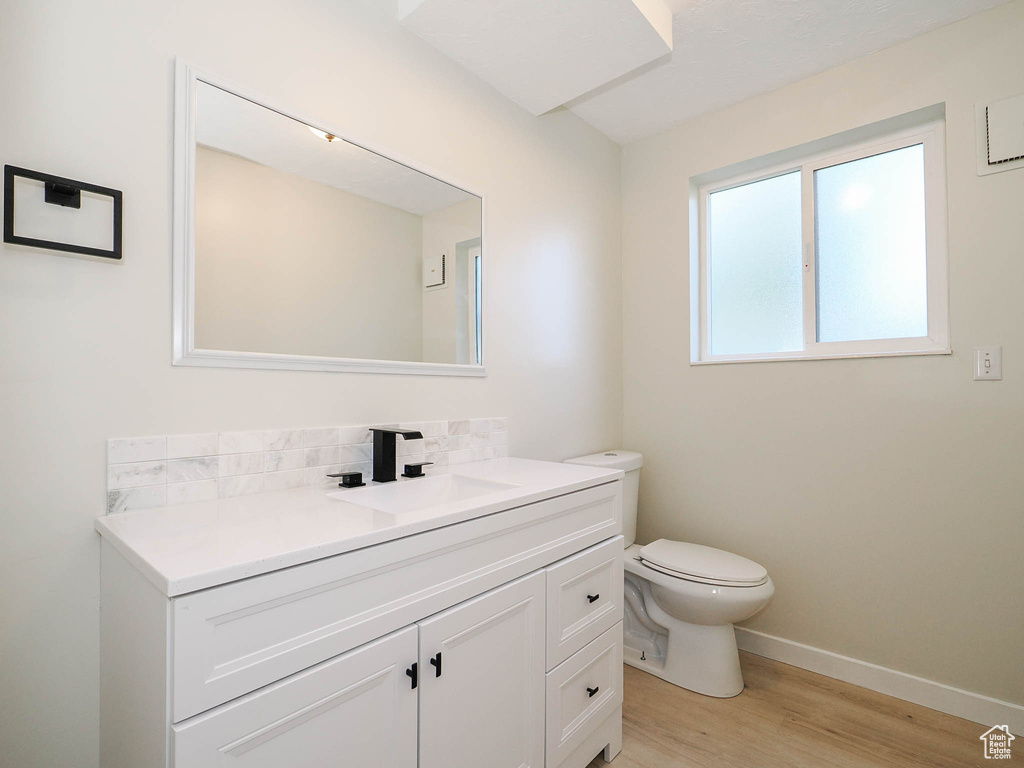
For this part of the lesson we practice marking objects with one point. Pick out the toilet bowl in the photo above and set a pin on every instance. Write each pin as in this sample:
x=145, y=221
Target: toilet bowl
x=697, y=617
x=682, y=599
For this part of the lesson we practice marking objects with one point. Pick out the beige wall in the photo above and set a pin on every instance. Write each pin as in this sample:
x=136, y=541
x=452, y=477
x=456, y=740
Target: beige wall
x=288, y=265
x=87, y=93
x=442, y=231
x=883, y=495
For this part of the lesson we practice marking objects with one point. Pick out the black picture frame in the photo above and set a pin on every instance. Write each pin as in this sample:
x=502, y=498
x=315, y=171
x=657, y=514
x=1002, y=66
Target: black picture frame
x=11, y=172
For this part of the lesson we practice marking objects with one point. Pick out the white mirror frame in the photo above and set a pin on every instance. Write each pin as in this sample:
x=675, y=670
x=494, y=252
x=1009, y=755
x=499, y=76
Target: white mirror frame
x=183, y=256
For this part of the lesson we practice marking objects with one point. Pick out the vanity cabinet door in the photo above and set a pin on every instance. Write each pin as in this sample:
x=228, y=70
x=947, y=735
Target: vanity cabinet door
x=482, y=681
x=358, y=709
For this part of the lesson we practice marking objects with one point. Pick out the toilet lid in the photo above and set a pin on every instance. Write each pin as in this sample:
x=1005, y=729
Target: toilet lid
x=693, y=561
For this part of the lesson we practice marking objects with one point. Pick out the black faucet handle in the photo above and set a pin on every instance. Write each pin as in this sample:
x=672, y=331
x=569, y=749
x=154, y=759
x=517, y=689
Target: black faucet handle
x=349, y=479
x=408, y=434
x=416, y=470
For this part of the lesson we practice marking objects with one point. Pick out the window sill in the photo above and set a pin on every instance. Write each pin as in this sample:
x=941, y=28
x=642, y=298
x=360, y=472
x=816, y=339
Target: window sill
x=839, y=356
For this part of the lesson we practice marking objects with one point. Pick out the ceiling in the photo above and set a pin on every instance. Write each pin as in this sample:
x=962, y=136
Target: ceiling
x=726, y=51
x=729, y=50
x=541, y=53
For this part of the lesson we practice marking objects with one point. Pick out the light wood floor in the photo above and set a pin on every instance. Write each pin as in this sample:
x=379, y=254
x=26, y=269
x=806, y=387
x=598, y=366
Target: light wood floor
x=789, y=717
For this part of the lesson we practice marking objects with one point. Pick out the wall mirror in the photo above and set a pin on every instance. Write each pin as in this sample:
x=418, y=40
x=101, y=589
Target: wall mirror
x=298, y=248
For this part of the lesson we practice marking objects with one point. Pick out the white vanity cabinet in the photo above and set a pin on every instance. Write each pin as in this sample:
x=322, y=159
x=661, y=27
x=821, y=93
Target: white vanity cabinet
x=479, y=682
x=495, y=642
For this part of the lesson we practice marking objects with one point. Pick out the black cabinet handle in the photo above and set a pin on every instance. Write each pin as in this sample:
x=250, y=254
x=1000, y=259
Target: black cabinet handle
x=435, y=661
x=414, y=673
x=592, y=691
x=593, y=598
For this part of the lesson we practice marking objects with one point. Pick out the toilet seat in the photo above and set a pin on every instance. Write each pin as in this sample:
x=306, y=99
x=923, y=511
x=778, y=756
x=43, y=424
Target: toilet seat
x=705, y=565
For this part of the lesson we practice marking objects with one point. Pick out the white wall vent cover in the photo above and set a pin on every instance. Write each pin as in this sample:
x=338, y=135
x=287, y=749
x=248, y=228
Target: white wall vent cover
x=1001, y=135
x=435, y=274
x=540, y=53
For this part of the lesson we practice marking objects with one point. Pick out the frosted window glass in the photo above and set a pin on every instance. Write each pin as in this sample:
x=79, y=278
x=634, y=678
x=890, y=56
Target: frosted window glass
x=754, y=267
x=870, y=234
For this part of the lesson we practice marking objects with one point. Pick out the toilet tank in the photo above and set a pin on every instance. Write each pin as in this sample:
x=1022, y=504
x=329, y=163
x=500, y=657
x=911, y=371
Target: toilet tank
x=630, y=463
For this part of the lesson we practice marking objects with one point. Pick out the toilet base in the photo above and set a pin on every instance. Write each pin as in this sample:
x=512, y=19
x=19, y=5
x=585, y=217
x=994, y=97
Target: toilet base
x=703, y=659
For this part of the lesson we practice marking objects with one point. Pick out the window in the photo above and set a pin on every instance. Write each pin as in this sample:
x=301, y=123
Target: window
x=836, y=254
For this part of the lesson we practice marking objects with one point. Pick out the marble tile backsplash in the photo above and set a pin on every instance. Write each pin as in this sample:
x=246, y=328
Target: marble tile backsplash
x=149, y=472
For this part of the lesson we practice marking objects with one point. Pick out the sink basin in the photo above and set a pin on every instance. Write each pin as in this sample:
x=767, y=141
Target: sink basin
x=422, y=493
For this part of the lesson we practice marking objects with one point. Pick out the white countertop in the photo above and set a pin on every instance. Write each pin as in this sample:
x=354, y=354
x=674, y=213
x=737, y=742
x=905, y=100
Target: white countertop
x=185, y=548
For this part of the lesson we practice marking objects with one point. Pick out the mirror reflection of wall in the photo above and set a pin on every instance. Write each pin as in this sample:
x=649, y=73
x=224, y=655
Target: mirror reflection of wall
x=305, y=246
x=454, y=233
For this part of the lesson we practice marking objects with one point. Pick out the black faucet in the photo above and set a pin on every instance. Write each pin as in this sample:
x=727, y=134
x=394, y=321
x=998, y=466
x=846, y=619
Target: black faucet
x=384, y=451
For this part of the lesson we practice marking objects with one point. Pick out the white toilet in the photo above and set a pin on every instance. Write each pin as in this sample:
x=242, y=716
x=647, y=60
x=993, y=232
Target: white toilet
x=682, y=599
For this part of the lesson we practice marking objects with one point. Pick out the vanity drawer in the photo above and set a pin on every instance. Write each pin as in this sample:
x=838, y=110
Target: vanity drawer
x=235, y=638
x=582, y=692
x=584, y=598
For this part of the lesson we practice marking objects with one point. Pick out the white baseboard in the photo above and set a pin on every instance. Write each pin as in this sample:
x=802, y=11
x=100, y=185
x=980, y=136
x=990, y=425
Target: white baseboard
x=944, y=698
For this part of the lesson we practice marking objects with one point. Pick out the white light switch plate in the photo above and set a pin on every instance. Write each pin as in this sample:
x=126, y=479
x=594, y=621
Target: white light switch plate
x=988, y=363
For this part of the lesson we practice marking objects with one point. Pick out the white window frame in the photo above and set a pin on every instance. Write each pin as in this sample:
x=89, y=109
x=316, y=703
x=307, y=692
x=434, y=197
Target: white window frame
x=932, y=136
